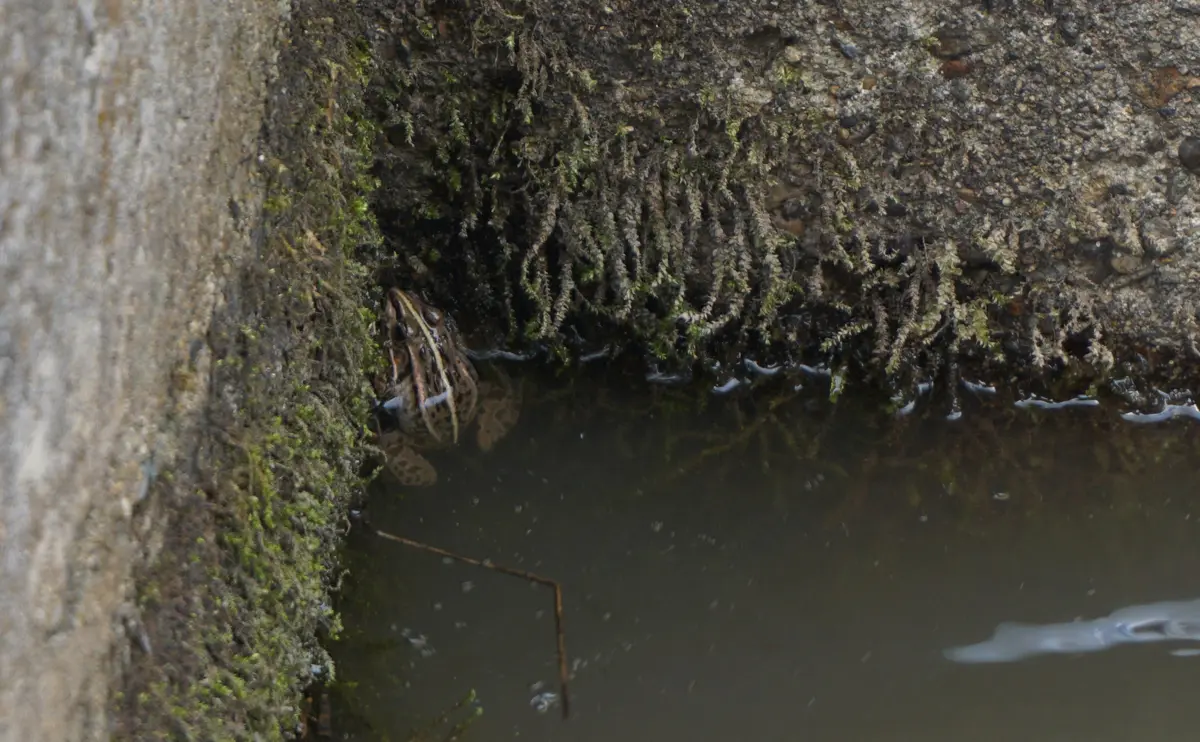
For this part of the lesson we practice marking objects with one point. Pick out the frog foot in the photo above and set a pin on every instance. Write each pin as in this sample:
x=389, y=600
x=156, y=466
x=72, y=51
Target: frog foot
x=499, y=410
x=410, y=468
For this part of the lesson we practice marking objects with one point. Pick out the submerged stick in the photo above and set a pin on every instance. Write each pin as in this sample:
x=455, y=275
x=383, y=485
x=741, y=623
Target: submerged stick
x=558, y=600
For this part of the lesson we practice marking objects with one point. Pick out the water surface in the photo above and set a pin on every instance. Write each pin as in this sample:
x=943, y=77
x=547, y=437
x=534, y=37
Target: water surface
x=774, y=567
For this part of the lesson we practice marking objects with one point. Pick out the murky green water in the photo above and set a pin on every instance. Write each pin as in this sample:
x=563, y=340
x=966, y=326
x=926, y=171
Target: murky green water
x=777, y=568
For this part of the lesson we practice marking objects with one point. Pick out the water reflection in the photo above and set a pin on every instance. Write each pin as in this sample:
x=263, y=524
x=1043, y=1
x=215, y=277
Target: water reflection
x=777, y=568
x=1153, y=622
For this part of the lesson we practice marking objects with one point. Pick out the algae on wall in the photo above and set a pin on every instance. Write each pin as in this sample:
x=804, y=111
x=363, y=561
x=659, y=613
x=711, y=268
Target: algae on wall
x=232, y=610
x=905, y=187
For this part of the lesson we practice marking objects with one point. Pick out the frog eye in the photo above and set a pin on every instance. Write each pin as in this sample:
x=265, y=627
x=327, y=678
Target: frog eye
x=432, y=316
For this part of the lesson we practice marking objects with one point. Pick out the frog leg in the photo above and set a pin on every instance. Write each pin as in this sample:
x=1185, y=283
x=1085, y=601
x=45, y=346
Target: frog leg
x=499, y=410
x=410, y=468
x=406, y=465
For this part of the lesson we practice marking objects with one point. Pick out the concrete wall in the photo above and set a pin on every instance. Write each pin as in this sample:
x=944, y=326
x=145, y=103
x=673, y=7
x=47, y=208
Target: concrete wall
x=127, y=133
x=894, y=174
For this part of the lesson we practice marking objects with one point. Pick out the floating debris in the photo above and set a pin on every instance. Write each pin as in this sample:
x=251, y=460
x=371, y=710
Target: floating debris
x=542, y=702
x=419, y=642
x=560, y=635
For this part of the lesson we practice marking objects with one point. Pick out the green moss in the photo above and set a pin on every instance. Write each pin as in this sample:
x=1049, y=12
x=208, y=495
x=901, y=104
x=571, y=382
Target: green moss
x=567, y=190
x=236, y=603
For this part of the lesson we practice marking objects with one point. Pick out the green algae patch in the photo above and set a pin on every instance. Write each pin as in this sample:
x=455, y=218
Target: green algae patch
x=230, y=613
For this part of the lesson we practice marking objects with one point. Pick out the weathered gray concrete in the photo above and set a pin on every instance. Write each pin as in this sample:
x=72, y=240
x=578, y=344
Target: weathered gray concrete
x=127, y=128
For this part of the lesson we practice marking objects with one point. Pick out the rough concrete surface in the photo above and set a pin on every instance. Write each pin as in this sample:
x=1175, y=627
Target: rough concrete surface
x=127, y=136
x=972, y=176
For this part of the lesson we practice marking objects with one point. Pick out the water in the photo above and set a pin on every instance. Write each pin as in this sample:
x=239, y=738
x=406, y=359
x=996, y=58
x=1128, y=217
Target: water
x=778, y=568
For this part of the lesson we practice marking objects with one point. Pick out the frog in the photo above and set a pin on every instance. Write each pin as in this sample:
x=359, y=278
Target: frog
x=433, y=394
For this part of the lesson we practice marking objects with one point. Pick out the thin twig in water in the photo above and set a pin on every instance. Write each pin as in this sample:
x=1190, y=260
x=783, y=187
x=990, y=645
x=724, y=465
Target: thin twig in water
x=558, y=601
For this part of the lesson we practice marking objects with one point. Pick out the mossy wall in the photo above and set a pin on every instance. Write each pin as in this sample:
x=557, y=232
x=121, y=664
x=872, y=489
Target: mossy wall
x=904, y=187
x=232, y=611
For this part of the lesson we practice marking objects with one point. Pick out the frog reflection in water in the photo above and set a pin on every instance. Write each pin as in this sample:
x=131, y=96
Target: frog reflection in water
x=433, y=391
